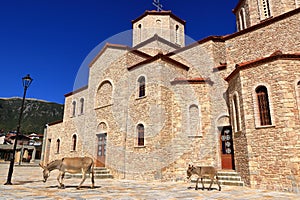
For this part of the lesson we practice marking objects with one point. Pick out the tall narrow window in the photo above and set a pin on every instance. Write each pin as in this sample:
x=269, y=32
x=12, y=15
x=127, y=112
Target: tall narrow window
x=194, y=120
x=140, y=32
x=73, y=108
x=140, y=130
x=263, y=105
x=81, y=105
x=74, y=141
x=236, y=113
x=242, y=19
x=265, y=9
x=57, y=145
x=177, y=34
x=142, y=82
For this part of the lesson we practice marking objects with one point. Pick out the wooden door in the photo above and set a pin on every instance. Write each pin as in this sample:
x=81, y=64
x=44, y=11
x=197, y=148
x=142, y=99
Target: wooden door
x=226, y=145
x=101, y=149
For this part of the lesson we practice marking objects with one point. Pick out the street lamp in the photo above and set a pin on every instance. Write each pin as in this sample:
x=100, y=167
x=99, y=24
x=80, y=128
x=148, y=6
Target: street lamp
x=26, y=83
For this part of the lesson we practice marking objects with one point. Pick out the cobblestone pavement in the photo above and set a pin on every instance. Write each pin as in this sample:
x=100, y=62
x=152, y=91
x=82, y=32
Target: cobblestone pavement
x=27, y=184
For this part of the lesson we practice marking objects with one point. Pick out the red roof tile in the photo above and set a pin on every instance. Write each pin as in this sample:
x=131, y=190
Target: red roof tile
x=153, y=12
x=252, y=63
x=196, y=80
x=162, y=57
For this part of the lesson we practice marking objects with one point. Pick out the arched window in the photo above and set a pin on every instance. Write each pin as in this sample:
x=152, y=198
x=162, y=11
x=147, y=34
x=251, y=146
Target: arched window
x=81, y=105
x=142, y=85
x=104, y=94
x=242, y=19
x=140, y=32
x=73, y=108
x=57, y=145
x=74, y=141
x=140, y=131
x=236, y=113
x=194, y=120
x=263, y=105
x=177, y=34
x=265, y=10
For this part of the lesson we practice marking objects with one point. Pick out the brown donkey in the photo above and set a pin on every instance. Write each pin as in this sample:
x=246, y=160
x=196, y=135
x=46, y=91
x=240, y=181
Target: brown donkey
x=74, y=165
x=211, y=172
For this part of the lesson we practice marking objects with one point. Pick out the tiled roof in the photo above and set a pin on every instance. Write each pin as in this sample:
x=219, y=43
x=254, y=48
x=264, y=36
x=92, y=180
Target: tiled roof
x=76, y=91
x=277, y=55
x=196, y=80
x=156, y=38
x=154, y=12
x=118, y=46
x=56, y=122
x=162, y=57
x=222, y=66
x=236, y=34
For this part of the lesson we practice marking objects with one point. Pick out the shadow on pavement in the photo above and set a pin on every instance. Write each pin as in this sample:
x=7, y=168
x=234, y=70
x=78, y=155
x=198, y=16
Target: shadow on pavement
x=74, y=186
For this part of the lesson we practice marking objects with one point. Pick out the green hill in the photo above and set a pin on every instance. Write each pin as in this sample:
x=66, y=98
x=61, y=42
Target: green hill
x=36, y=114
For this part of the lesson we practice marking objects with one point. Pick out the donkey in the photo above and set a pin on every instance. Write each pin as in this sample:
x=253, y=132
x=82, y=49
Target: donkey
x=211, y=172
x=74, y=165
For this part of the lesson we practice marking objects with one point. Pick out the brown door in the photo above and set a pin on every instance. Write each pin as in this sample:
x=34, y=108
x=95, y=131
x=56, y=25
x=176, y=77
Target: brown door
x=226, y=144
x=101, y=149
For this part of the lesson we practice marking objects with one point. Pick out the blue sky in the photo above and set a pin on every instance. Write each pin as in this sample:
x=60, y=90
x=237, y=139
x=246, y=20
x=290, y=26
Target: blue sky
x=50, y=39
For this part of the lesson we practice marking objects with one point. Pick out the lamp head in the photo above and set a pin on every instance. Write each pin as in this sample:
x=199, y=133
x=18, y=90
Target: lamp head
x=27, y=81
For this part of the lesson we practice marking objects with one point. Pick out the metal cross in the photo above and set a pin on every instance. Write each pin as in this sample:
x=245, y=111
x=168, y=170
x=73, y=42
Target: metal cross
x=158, y=5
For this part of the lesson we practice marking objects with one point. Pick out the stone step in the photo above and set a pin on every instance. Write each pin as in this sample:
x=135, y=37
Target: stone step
x=99, y=173
x=231, y=178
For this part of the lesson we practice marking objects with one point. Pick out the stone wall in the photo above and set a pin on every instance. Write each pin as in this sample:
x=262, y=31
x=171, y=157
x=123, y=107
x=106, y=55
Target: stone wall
x=264, y=41
x=272, y=150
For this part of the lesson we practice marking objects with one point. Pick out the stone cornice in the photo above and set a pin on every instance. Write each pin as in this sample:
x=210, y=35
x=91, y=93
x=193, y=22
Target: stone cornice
x=76, y=91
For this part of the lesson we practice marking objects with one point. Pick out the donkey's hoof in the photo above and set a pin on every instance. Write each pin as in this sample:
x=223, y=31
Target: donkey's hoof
x=62, y=187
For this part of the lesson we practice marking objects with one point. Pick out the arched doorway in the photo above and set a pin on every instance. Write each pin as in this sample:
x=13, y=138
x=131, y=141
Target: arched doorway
x=226, y=143
x=101, y=144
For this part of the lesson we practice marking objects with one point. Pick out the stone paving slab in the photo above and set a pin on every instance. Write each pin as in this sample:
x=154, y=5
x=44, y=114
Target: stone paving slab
x=28, y=185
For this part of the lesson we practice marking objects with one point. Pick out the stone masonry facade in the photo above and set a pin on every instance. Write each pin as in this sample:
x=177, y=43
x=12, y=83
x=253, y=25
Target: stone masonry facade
x=161, y=105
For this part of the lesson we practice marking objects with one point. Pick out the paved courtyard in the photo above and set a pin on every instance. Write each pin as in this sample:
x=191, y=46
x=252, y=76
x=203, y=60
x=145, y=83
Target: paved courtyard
x=28, y=185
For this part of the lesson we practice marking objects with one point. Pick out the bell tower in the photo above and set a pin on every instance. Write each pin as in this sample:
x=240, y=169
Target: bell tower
x=162, y=23
x=251, y=12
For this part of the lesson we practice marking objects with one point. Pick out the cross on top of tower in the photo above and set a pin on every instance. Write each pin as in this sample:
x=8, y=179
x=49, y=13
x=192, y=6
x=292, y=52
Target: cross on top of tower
x=158, y=5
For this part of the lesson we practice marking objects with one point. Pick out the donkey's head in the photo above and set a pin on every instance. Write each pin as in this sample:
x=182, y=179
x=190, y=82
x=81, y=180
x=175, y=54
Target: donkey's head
x=46, y=173
x=190, y=171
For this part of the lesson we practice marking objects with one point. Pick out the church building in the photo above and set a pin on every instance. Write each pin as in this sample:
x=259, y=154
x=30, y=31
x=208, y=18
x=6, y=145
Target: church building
x=232, y=102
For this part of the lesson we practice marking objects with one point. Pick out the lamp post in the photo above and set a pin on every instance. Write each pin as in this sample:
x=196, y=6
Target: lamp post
x=26, y=83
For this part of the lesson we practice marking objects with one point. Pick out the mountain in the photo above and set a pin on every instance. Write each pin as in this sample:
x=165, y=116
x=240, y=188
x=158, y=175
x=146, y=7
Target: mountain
x=36, y=114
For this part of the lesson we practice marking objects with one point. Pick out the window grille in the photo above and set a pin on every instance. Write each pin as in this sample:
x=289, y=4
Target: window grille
x=140, y=129
x=263, y=106
x=142, y=88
